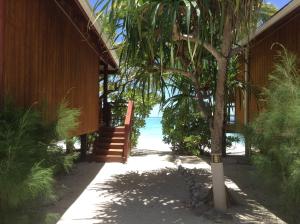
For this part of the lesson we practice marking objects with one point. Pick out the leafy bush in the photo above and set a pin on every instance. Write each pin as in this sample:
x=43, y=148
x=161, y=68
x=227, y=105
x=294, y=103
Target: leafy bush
x=67, y=120
x=185, y=129
x=142, y=109
x=29, y=155
x=276, y=131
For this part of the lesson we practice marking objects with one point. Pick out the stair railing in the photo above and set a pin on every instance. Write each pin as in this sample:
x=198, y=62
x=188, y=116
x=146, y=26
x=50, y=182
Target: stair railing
x=128, y=129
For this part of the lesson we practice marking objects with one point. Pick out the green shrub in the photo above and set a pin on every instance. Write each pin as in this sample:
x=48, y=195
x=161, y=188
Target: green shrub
x=276, y=132
x=29, y=155
x=67, y=120
x=193, y=144
x=185, y=129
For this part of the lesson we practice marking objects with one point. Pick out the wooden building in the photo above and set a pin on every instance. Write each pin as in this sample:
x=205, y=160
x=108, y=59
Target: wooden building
x=50, y=50
x=258, y=61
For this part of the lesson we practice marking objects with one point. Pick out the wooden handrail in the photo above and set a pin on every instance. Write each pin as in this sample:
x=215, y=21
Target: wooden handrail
x=128, y=129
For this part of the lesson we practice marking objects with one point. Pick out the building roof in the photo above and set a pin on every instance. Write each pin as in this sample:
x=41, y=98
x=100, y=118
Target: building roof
x=85, y=5
x=281, y=14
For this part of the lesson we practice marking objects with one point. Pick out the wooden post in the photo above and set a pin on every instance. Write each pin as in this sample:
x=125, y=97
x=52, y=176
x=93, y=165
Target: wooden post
x=106, y=108
x=2, y=29
x=128, y=129
x=83, y=146
x=246, y=101
x=105, y=84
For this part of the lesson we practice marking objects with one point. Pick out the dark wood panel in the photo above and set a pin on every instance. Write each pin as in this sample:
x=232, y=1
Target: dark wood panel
x=263, y=56
x=2, y=25
x=47, y=60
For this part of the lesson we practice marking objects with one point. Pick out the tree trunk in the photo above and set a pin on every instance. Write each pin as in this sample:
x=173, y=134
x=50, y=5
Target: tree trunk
x=224, y=153
x=224, y=131
x=219, y=192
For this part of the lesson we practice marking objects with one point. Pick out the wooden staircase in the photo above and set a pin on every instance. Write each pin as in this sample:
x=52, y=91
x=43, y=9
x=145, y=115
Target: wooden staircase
x=109, y=146
x=113, y=143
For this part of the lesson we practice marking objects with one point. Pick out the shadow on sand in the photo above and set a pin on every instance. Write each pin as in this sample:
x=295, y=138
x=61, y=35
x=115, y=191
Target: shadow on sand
x=69, y=186
x=245, y=176
x=148, y=193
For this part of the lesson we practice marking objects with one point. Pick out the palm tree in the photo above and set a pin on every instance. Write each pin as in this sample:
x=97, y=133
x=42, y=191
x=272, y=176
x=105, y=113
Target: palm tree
x=181, y=37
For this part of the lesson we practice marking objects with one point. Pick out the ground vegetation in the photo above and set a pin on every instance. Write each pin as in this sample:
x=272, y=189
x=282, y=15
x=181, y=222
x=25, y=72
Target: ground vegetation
x=30, y=158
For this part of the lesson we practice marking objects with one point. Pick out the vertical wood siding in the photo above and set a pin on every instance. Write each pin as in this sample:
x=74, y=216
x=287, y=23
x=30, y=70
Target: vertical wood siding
x=2, y=25
x=262, y=59
x=46, y=60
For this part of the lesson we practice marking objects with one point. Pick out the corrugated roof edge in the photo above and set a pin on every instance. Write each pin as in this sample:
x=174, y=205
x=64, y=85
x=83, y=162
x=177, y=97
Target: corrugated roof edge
x=96, y=23
x=290, y=7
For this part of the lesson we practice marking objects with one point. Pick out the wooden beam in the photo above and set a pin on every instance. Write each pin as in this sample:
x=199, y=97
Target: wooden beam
x=109, y=72
x=2, y=29
x=106, y=106
x=105, y=84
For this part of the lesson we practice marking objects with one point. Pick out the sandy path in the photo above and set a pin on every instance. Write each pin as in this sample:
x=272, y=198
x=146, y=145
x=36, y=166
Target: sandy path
x=148, y=189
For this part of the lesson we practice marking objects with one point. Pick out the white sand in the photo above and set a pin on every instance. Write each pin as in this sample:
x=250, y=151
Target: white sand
x=148, y=142
x=148, y=189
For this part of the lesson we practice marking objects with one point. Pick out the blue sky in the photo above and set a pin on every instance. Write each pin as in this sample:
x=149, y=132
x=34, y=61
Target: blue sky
x=92, y=2
x=278, y=3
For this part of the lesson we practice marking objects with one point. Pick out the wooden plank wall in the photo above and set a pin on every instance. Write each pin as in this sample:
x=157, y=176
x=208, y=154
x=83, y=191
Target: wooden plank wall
x=46, y=60
x=2, y=25
x=262, y=58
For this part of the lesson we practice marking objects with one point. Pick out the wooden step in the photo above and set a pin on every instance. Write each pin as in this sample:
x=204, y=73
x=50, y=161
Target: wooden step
x=113, y=129
x=112, y=134
x=111, y=139
x=109, y=145
x=108, y=152
x=109, y=158
x=118, y=139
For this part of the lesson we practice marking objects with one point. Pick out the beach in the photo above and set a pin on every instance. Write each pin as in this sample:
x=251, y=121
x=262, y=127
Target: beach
x=151, y=137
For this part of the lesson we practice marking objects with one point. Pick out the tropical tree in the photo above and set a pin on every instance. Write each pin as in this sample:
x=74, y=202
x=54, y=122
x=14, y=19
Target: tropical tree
x=182, y=37
x=266, y=11
x=182, y=125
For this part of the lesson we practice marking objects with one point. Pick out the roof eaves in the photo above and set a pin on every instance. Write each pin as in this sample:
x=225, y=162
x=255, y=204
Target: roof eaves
x=290, y=7
x=97, y=25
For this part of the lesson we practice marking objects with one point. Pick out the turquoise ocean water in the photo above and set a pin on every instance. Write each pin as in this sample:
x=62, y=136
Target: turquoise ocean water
x=153, y=127
x=151, y=137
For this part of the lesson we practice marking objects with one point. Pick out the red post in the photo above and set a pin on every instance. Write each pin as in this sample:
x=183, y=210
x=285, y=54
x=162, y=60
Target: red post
x=128, y=129
x=2, y=29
